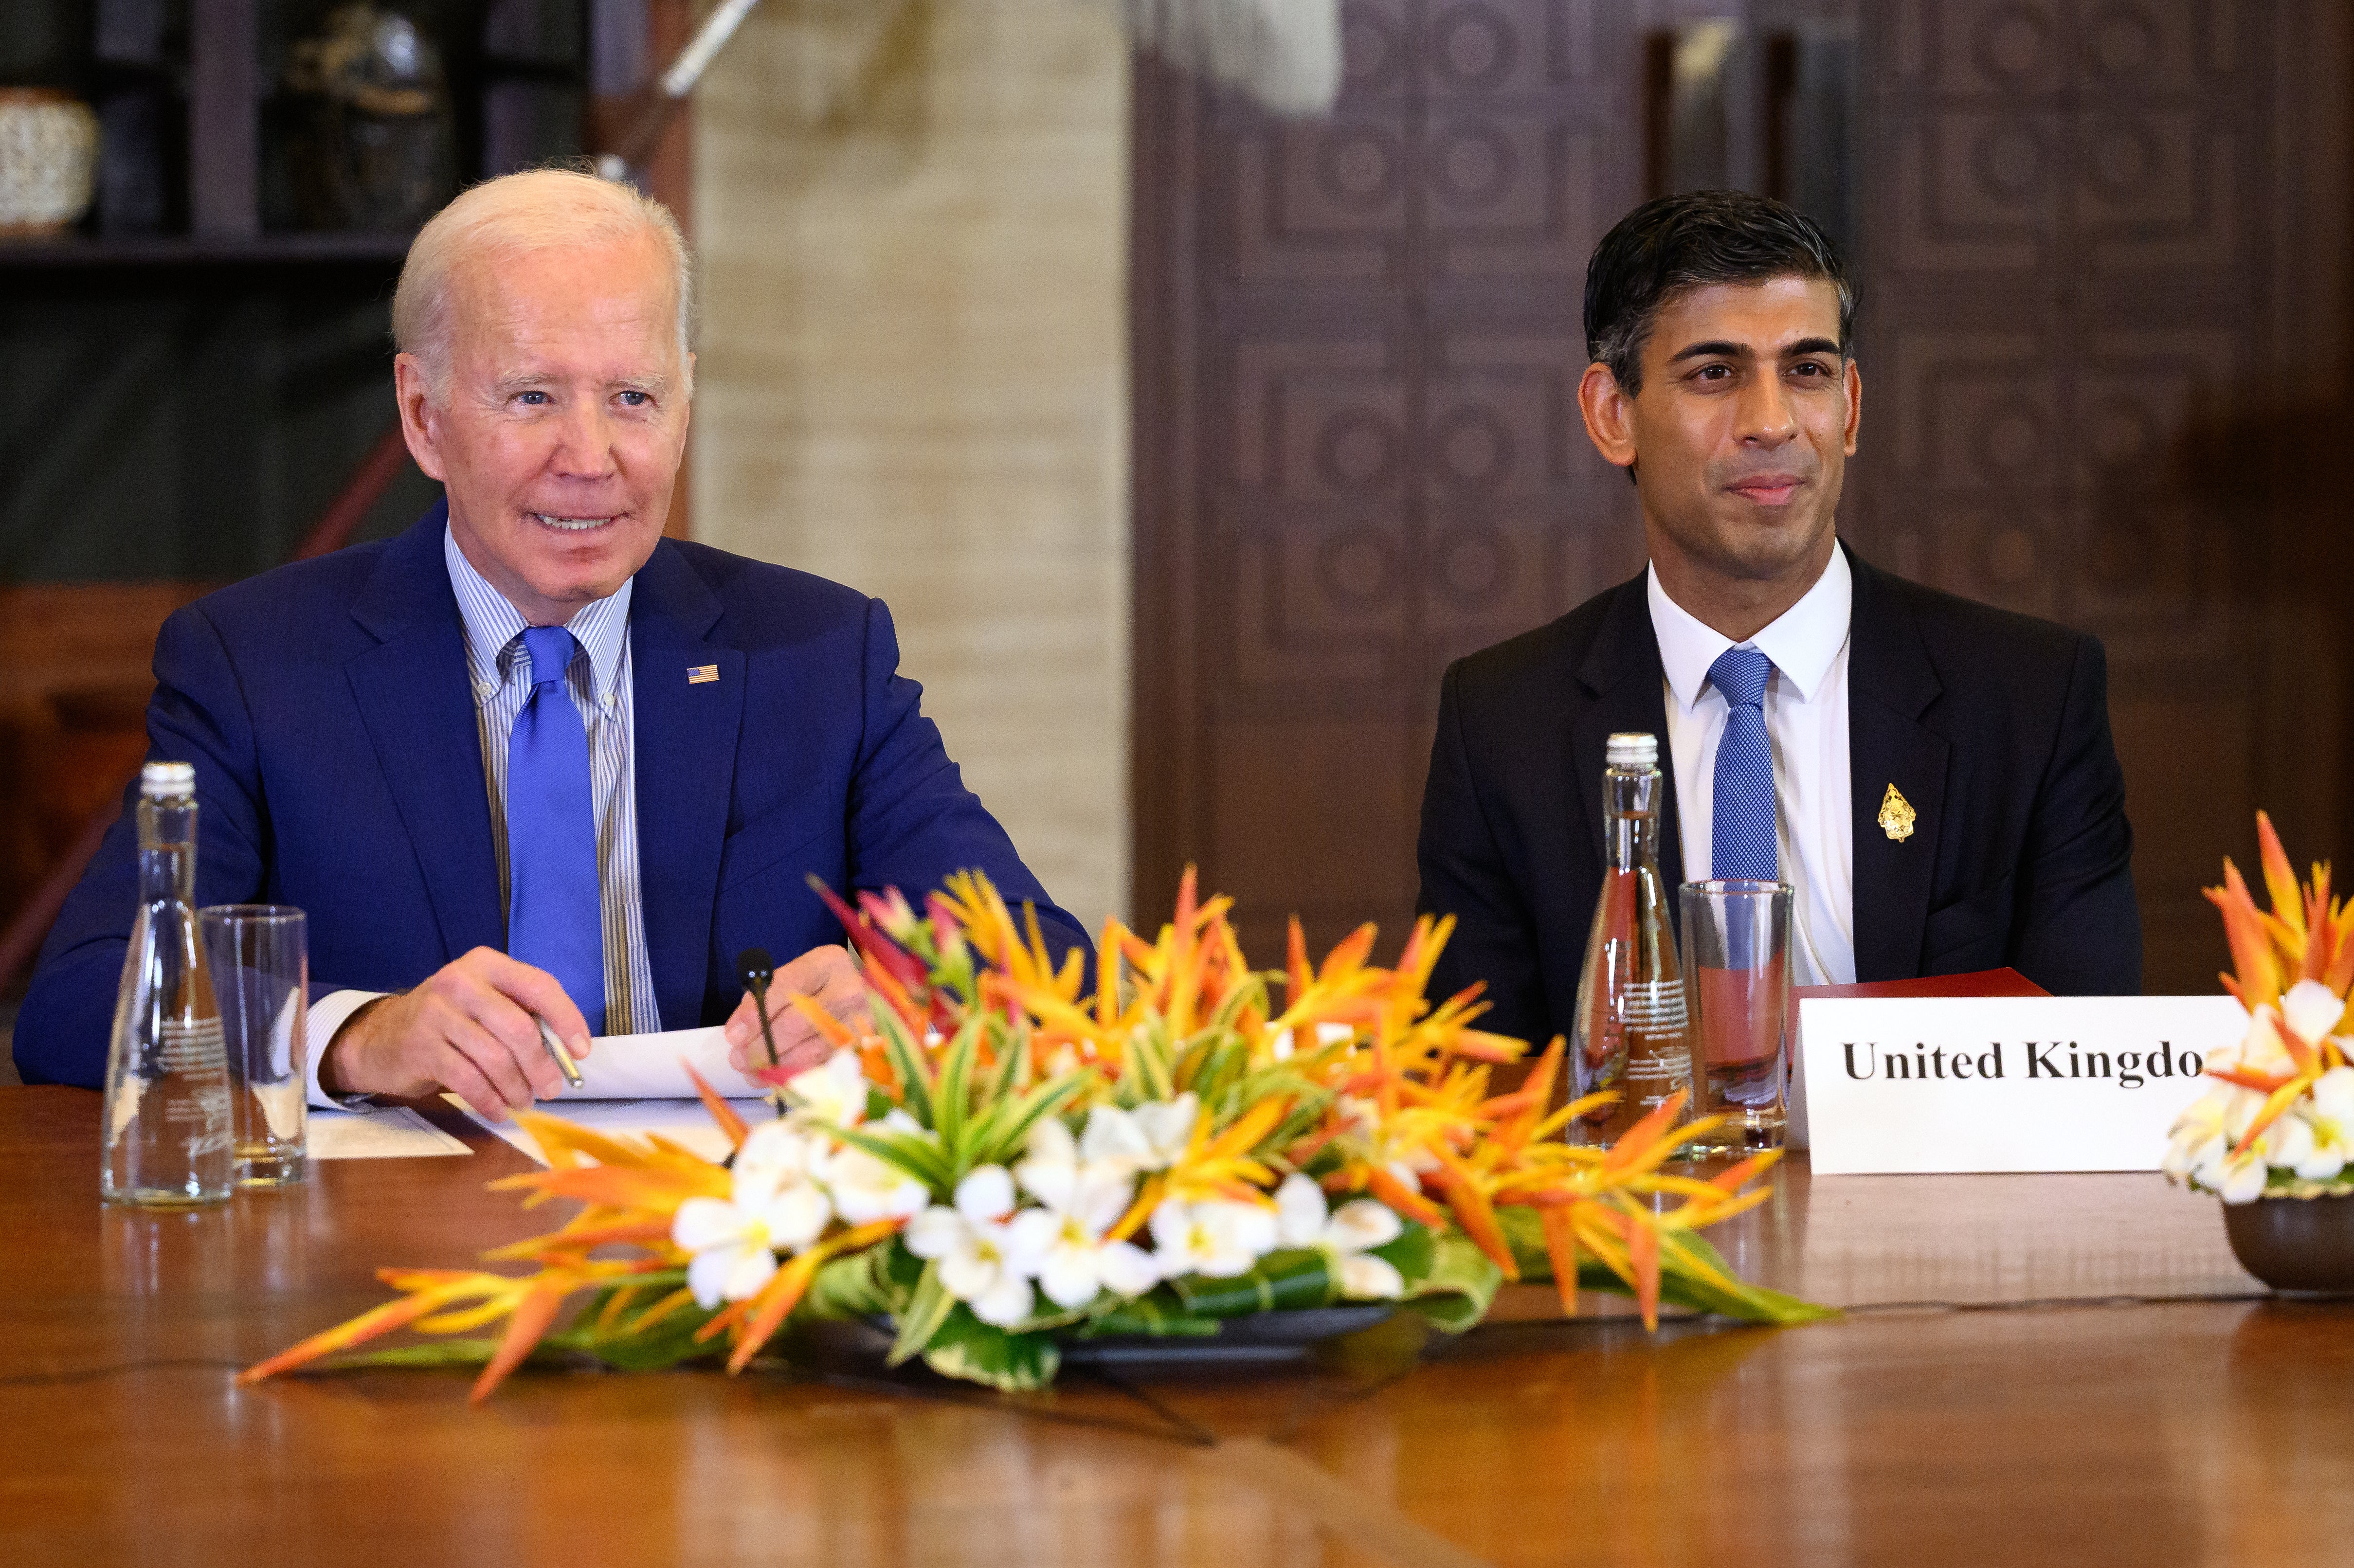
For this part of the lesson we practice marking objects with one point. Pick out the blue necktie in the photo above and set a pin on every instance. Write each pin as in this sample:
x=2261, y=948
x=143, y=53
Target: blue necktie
x=1741, y=840
x=555, y=919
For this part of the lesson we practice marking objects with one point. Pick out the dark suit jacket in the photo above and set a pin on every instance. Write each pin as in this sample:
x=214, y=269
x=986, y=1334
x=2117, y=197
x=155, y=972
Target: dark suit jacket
x=1994, y=726
x=327, y=710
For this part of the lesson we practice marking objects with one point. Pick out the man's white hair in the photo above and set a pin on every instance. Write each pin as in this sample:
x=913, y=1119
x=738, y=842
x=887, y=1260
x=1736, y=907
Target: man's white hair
x=539, y=209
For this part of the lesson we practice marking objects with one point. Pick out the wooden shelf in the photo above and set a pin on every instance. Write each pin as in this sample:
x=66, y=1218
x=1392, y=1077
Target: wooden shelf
x=202, y=251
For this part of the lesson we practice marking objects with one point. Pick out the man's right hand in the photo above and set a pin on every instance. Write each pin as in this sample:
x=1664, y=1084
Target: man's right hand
x=468, y=1028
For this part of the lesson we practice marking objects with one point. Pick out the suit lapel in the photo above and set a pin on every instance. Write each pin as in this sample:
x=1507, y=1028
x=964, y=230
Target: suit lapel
x=416, y=699
x=1891, y=683
x=685, y=767
x=1623, y=674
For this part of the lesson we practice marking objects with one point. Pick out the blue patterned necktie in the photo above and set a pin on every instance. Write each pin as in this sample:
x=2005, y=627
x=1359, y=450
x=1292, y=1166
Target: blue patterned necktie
x=1741, y=840
x=555, y=920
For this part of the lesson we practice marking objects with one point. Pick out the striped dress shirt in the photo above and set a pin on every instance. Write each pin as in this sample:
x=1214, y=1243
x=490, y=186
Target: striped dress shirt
x=499, y=667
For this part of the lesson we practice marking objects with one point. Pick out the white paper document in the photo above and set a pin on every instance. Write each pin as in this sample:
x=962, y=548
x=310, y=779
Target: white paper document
x=649, y=1067
x=389, y=1132
x=1901, y=1084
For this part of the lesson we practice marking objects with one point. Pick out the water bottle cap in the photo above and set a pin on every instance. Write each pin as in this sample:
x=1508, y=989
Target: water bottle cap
x=1632, y=750
x=167, y=780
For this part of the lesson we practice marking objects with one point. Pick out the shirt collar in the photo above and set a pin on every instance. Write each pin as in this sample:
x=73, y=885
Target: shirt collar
x=493, y=626
x=1803, y=642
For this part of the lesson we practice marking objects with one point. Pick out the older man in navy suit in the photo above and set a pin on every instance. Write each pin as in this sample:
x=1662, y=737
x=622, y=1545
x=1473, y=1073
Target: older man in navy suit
x=531, y=758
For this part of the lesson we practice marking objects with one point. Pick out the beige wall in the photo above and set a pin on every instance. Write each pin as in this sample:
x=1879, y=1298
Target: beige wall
x=913, y=374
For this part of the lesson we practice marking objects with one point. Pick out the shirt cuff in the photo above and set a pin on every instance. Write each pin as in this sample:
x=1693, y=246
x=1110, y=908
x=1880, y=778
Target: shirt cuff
x=327, y=1014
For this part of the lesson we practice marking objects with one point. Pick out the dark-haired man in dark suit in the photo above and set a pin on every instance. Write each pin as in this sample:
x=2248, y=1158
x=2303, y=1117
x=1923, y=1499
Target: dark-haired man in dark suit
x=1934, y=778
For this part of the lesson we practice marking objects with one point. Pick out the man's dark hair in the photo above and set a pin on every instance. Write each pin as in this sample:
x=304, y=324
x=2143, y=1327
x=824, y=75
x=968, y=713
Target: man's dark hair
x=1680, y=242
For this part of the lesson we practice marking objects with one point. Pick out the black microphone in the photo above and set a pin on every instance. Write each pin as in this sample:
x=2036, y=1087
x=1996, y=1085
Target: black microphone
x=757, y=969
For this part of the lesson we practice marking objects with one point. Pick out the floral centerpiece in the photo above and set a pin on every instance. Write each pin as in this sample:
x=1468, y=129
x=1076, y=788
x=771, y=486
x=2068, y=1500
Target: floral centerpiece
x=998, y=1166
x=2280, y=1120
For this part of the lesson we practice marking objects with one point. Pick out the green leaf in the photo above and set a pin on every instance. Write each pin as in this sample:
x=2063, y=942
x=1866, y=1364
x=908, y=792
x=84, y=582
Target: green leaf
x=967, y=1348
x=1681, y=1285
x=616, y=1345
x=425, y=1354
x=1750, y=1303
x=919, y=1156
x=1159, y=1313
x=1011, y=1055
x=1523, y=1229
x=1460, y=1285
x=1042, y=1099
x=669, y=1342
x=1282, y=1279
x=621, y=1343
x=907, y=1059
x=858, y=1285
x=1302, y=1119
x=1251, y=992
x=1148, y=1059
x=952, y=1102
x=1413, y=1254
x=1216, y=1073
x=928, y=1307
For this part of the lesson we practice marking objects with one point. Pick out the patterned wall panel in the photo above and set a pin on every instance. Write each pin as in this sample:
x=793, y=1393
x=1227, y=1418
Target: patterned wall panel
x=1387, y=346
x=1359, y=453
x=2073, y=270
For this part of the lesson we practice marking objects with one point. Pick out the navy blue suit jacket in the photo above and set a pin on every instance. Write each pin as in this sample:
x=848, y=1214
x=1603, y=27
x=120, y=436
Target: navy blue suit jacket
x=1996, y=727
x=328, y=712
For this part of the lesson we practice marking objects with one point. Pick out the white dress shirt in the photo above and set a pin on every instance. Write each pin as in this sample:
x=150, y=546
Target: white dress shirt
x=1806, y=723
x=498, y=667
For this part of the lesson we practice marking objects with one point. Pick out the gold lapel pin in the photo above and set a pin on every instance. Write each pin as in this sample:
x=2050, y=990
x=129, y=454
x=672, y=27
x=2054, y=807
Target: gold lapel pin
x=697, y=674
x=1896, y=815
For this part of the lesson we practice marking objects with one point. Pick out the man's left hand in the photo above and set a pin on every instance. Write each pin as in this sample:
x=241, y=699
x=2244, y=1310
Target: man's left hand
x=827, y=975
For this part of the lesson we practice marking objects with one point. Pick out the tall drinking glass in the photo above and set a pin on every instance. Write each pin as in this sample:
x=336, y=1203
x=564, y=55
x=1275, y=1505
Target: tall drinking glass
x=1737, y=986
x=261, y=975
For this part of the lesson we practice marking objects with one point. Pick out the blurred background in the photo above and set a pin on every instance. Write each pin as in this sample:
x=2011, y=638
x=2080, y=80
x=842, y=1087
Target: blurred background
x=1194, y=377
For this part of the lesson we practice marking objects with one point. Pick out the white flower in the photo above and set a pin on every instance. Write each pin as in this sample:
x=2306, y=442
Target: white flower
x=2328, y=1111
x=1061, y=1245
x=2235, y=1178
x=897, y=1120
x=1055, y=1173
x=2312, y=1009
x=833, y=1091
x=1282, y=1047
x=2198, y=1134
x=2287, y=1143
x=1216, y=1239
x=1347, y=1236
x=2206, y=1132
x=775, y=1202
x=1150, y=1137
x=970, y=1241
x=2259, y=1051
x=866, y=1187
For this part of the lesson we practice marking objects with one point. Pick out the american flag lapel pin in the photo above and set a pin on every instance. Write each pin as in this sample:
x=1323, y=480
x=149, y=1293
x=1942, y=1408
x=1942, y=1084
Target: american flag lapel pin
x=696, y=674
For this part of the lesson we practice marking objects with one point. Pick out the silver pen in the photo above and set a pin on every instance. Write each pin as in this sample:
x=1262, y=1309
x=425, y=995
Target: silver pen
x=556, y=1049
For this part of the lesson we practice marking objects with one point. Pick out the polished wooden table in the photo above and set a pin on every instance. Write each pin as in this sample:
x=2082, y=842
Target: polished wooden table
x=2036, y=1370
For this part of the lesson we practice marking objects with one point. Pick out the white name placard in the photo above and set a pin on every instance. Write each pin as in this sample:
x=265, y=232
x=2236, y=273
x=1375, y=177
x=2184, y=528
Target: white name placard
x=2016, y=1082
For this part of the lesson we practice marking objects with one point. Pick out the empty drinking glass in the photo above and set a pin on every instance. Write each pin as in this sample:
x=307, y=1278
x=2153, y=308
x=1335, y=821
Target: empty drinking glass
x=260, y=967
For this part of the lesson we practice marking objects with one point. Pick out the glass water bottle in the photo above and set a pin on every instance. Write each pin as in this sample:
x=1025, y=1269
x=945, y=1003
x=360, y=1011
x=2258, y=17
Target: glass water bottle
x=166, y=1116
x=1630, y=1032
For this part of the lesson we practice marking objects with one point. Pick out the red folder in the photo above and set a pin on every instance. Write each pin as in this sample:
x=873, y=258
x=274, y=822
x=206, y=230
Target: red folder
x=1983, y=982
